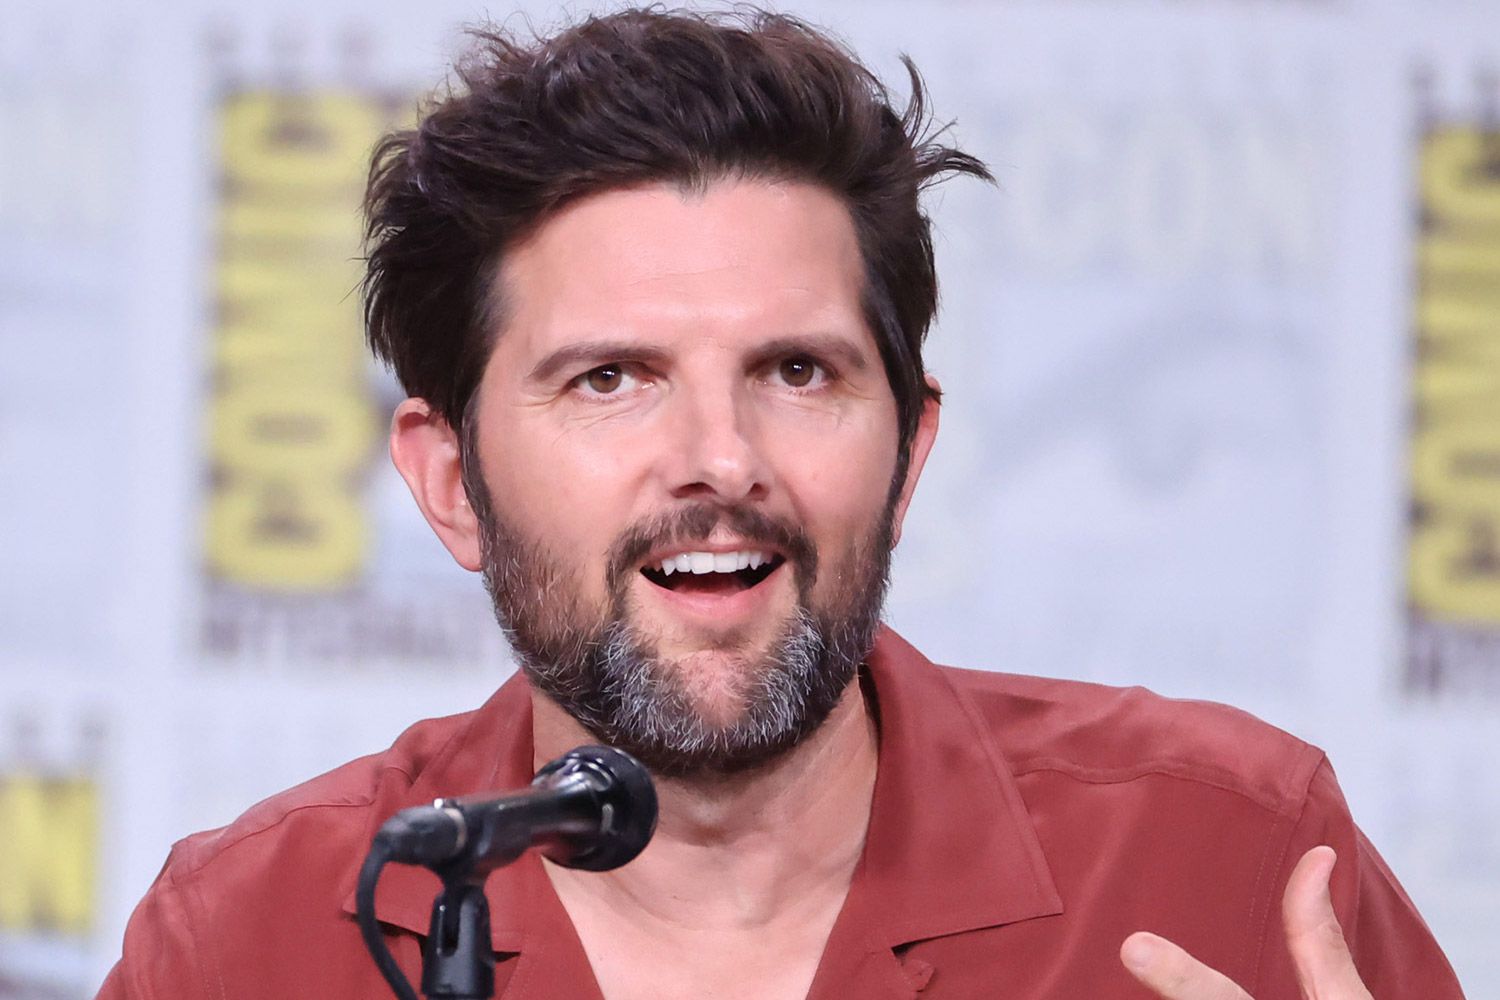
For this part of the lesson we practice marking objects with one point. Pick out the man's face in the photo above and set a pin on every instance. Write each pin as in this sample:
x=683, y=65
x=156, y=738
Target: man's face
x=687, y=442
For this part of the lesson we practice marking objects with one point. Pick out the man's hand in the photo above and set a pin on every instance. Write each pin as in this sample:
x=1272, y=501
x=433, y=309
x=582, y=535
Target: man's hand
x=1325, y=969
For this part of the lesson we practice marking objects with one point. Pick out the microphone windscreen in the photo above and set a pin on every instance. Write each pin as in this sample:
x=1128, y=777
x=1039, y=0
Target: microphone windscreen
x=627, y=800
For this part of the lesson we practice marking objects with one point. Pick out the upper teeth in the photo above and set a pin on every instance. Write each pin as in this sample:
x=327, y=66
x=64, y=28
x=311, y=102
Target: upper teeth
x=714, y=562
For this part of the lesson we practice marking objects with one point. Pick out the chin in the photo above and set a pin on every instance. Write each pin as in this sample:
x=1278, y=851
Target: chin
x=717, y=683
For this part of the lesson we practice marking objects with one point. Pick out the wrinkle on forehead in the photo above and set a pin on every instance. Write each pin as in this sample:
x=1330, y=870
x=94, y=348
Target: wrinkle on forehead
x=658, y=227
x=686, y=192
x=736, y=249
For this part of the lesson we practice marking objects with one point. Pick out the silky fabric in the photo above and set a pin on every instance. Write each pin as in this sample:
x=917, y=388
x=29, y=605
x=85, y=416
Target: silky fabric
x=1021, y=828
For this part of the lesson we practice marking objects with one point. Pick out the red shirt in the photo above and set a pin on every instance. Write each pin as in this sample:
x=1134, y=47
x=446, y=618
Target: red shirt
x=1021, y=828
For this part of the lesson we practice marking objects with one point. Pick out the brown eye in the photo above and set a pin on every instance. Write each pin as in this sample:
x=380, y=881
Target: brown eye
x=798, y=372
x=604, y=379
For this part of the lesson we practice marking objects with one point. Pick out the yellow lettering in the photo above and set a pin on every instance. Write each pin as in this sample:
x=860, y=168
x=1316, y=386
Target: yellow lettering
x=1454, y=556
x=1456, y=187
x=286, y=431
x=1452, y=395
x=286, y=535
x=1458, y=468
x=1468, y=257
x=1455, y=566
x=298, y=140
x=282, y=221
x=47, y=866
x=291, y=422
x=1471, y=320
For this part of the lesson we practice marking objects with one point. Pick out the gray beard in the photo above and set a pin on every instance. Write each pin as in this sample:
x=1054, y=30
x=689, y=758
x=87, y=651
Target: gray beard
x=615, y=684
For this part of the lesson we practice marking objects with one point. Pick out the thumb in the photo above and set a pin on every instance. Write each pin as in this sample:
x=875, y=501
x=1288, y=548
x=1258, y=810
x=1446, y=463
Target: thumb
x=1325, y=969
x=1171, y=973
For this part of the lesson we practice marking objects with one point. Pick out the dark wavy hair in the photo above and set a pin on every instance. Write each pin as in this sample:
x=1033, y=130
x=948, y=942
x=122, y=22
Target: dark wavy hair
x=629, y=98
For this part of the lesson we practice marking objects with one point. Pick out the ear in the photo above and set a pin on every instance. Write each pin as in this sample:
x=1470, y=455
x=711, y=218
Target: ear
x=921, y=446
x=425, y=451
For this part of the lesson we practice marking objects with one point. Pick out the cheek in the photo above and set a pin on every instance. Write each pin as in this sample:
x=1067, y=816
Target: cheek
x=840, y=479
x=571, y=491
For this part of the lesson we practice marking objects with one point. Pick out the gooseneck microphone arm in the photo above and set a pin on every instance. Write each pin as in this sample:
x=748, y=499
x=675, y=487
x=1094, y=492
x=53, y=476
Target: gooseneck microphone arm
x=593, y=808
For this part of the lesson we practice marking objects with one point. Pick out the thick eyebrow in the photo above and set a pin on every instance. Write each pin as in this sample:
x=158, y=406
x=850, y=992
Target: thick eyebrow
x=591, y=354
x=845, y=355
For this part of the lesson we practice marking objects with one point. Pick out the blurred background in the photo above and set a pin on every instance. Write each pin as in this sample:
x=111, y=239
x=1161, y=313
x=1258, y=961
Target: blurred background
x=1222, y=367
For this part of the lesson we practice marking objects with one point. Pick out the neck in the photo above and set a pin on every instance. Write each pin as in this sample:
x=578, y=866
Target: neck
x=747, y=850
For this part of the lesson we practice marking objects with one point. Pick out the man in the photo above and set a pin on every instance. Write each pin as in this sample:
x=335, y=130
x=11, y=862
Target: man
x=657, y=288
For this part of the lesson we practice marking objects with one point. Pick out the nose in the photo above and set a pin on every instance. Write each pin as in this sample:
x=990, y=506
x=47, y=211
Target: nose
x=716, y=449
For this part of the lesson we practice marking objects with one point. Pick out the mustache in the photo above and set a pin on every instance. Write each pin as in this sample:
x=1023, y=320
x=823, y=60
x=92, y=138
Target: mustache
x=695, y=523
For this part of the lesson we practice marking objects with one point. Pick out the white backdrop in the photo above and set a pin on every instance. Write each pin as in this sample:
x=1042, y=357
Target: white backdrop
x=1179, y=348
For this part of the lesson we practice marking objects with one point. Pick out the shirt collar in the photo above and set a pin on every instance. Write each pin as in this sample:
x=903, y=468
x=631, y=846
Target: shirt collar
x=491, y=751
x=950, y=846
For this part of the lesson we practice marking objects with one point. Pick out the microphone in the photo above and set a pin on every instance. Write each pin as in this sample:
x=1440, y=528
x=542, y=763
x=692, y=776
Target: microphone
x=592, y=808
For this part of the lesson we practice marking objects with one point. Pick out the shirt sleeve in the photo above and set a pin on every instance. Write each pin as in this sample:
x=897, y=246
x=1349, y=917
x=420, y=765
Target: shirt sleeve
x=161, y=956
x=1392, y=947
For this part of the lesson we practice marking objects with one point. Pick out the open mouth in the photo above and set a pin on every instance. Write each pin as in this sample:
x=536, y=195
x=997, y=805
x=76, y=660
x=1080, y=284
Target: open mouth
x=713, y=573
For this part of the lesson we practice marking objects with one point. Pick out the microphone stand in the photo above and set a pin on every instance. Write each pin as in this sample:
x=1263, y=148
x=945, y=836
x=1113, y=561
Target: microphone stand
x=457, y=963
x=594, y=808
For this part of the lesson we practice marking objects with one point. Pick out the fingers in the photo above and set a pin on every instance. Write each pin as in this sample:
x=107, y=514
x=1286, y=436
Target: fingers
x=1325, y=969
x=1172, y=973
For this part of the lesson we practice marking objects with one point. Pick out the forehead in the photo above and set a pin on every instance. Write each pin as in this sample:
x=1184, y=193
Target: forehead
x=740, y=258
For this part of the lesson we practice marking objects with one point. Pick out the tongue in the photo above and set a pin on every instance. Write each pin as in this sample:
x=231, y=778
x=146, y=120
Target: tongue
x=707, y=583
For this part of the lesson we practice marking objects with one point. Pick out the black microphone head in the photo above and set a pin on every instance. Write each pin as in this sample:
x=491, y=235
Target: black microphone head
x=627, y=802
